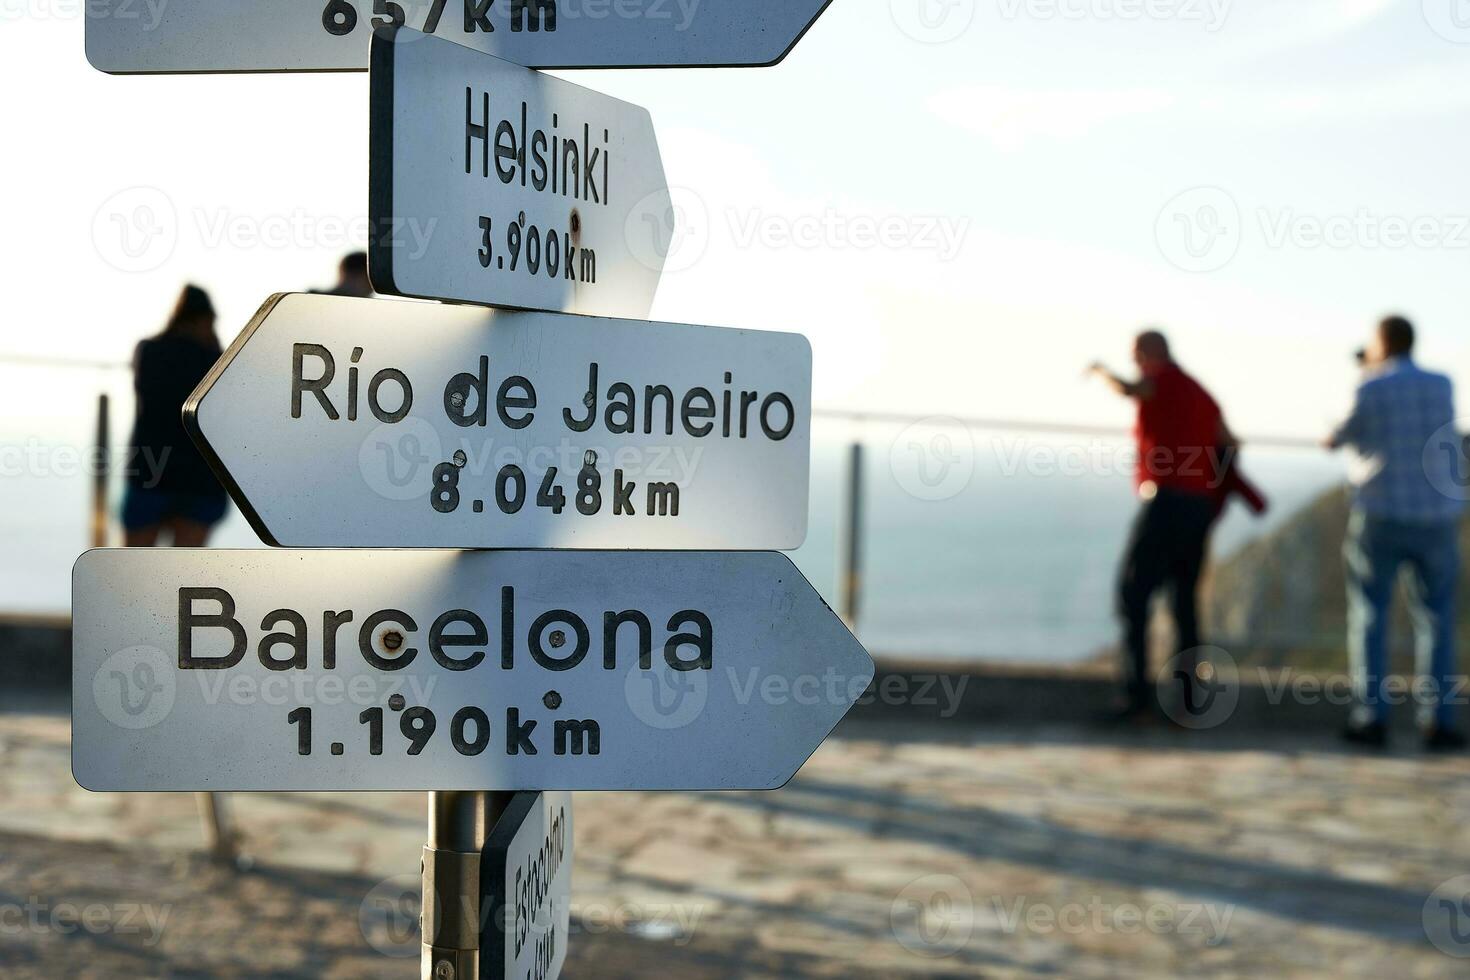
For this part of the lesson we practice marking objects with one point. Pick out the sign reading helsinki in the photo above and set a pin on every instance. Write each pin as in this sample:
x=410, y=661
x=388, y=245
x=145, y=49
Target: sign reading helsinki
x=491, y=183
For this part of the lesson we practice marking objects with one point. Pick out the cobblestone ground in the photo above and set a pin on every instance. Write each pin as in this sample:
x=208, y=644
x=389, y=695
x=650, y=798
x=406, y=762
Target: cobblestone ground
x=943, y=854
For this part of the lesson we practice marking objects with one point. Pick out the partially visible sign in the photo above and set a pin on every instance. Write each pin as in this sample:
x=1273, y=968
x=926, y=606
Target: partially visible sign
x=491, y=183
x=182, y=36
x=342, y=422
x=526, y=878
x=261, y=671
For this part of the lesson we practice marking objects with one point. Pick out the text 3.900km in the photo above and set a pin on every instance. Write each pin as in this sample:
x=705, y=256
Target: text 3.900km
x=533, y=251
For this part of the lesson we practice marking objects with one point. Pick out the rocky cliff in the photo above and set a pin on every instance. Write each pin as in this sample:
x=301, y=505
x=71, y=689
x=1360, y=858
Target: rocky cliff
x=1281, y=600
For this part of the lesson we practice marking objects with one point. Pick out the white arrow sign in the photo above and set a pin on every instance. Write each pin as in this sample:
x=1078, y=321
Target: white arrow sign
x=341, y=422
x=526, y=883
x=418, y=670
x=175, y=36
x=490, y=183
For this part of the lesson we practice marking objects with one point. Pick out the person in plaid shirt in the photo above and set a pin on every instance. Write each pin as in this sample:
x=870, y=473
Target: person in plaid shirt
x=1407, y=501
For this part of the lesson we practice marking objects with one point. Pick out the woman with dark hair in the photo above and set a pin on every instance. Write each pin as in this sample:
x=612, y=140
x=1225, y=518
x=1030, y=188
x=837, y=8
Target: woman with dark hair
x=170, y=486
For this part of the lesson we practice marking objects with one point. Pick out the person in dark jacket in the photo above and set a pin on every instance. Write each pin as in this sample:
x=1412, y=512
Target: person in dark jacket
x=171, y=490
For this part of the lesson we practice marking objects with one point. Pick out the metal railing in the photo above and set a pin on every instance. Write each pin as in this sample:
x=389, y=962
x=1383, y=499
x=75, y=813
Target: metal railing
x=853, y=546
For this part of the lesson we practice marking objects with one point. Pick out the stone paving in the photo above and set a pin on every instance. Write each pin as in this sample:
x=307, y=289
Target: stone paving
x=897, y=852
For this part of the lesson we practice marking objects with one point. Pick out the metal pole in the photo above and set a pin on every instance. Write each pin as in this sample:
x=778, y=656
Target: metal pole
x=219, y=838
x=103, y=464
x=852, y=539
x=459, y=822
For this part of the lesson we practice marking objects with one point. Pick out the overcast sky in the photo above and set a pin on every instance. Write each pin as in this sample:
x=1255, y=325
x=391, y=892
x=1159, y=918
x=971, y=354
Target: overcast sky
x=1262, y=178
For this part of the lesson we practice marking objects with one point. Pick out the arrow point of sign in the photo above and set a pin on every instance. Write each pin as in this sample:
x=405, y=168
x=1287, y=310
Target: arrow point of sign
x=801, y=32
x=840, y=656
x=190, y=417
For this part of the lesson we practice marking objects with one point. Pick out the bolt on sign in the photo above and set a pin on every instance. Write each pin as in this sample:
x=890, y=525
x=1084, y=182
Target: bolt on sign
x=339, y=422
x=491, y=183
x=443, y=670
x=187, y=36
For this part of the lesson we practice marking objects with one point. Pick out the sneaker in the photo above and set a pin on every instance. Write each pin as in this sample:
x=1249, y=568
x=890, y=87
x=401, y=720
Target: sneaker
x=1372, y=736
x=1438, y=739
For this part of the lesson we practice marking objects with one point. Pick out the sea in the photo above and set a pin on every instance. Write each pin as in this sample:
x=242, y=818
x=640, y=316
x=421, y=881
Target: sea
x=975, y=544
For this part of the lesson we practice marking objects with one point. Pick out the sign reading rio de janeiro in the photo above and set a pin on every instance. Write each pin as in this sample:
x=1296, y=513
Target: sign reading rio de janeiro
x=339, y=422
x=440, y=670
x=491, y=183
x=179, y=36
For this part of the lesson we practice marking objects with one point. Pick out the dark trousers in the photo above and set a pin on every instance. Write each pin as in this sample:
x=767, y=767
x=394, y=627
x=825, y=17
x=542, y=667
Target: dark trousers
x=1165, y=549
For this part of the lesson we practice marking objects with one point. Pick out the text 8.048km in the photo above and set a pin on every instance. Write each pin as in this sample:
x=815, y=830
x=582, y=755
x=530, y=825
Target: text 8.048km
x=661, y=499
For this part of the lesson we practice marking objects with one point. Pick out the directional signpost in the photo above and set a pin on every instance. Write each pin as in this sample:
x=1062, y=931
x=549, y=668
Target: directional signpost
x=179, y=36
x=443, y=670
x=492, y=183
x=526, y=875
x=343, y=422
x=685, y=653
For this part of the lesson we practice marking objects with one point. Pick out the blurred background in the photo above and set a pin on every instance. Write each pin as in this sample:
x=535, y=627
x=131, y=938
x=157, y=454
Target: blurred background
x=962, y=203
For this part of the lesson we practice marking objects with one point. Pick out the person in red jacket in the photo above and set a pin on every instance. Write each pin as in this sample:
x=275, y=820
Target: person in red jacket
x=1185, y=473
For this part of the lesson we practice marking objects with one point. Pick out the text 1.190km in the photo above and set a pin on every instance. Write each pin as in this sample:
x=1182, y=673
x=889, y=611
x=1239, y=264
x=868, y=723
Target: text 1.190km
x=469, y=731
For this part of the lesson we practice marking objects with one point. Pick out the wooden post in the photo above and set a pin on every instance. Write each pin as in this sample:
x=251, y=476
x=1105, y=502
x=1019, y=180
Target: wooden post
x=852, y=539
x=103, y=470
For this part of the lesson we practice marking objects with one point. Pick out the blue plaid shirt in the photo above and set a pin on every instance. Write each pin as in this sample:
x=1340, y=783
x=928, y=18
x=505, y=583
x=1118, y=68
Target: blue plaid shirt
x=1397, y=472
